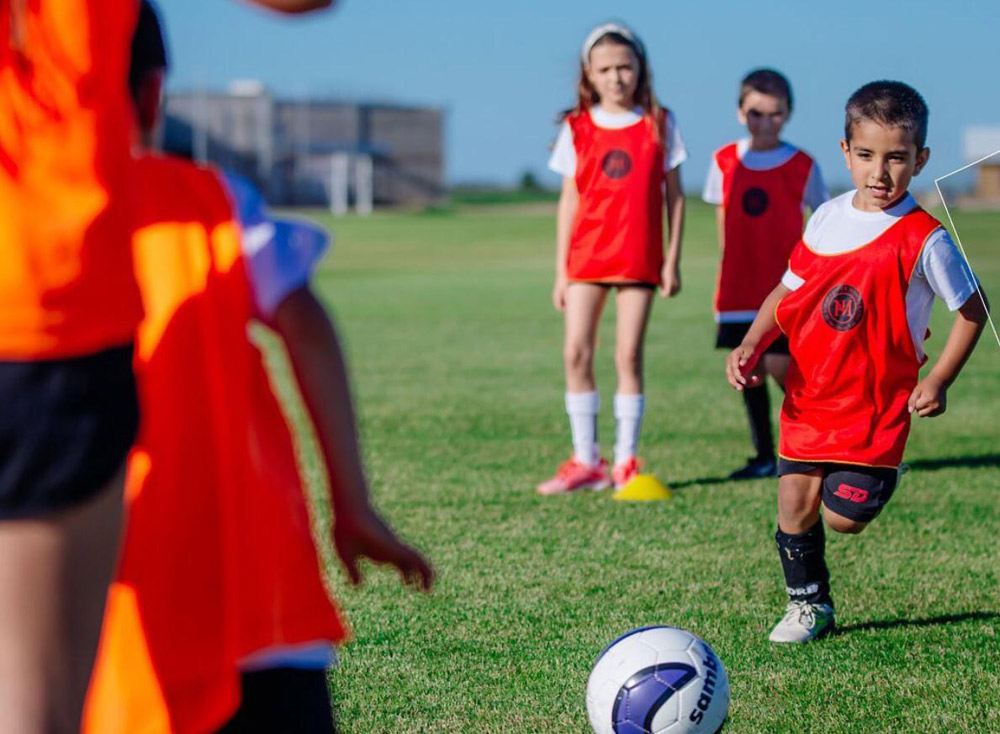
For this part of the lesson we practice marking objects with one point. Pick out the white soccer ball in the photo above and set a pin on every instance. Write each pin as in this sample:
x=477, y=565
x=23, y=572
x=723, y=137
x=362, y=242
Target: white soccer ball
x=658, y=680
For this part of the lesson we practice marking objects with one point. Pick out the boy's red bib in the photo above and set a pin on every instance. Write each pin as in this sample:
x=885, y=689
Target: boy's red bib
x=218, y=560
x=763, y=221
x=617, y=234
x=853, y=364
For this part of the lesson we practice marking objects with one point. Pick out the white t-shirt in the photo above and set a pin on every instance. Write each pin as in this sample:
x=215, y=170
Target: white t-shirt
x=563, y=158
x=281, y=254
x=763, y=160
x=837, y=226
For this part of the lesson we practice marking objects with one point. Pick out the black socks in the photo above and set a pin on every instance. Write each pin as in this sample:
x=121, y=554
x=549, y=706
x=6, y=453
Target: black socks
x=758, y=405
x=803, y=559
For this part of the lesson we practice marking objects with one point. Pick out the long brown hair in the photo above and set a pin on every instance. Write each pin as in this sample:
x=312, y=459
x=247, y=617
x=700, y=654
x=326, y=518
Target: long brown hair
x=645, y=97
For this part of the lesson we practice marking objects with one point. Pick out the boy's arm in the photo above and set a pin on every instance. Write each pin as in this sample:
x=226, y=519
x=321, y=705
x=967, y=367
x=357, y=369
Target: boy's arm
x=720, y=227
x=762, y=332
x=321, y=373
x=569, y=201
x=670, y=277
x=929, y=397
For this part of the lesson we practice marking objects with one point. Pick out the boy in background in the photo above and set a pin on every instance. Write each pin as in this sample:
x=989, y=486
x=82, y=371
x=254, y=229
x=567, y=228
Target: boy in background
x=761, y=186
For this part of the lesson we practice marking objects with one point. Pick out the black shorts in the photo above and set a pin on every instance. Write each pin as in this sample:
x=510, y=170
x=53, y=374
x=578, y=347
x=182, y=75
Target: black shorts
x=65, y=429
x=856, y=492
x=615, y=284
x=283, y=701
x=730, y=335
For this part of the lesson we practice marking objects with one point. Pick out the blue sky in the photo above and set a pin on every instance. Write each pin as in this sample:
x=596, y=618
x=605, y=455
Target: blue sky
x=501, y=71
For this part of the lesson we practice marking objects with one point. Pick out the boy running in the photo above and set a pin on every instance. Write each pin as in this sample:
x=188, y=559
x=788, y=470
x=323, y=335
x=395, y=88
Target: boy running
x=854, y=304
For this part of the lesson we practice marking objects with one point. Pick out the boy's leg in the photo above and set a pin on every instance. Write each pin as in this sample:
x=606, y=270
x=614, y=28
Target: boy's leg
x=801, y=544
x=801, y=539
x=632, y=306
x=757, y=402
x=584, y=303
x=283, y=701
x=853, y=496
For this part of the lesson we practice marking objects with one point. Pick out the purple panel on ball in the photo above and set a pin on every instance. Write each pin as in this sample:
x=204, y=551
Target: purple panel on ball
x=645, y=693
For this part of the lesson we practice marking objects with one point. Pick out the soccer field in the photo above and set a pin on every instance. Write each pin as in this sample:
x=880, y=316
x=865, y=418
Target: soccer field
x=455, y=353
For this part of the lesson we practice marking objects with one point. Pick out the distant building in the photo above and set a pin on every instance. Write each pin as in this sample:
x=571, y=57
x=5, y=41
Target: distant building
x=314, y=152
x=979, y=142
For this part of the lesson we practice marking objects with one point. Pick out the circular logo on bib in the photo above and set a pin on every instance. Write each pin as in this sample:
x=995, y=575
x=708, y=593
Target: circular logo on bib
x=616, y=164
x=755, y=202
x=843, y=308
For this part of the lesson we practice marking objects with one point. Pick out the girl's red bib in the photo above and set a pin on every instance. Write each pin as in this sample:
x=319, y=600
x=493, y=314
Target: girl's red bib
x=617, y=234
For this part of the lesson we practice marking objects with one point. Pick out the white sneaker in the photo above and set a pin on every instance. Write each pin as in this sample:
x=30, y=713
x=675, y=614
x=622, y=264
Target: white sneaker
x=803, y=622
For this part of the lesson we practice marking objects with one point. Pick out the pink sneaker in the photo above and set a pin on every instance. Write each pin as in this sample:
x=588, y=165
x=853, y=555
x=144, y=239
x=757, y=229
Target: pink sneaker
x=624, y=472
x=573, y=475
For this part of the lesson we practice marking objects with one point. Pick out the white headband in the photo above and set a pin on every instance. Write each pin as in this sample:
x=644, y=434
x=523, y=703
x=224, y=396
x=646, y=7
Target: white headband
x=603, y=30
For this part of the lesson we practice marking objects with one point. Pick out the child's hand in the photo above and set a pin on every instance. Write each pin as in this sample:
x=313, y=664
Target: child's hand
x=670, y=281
x=363, y=534
x=929, y=398
x=559, y=292
x=740, y=366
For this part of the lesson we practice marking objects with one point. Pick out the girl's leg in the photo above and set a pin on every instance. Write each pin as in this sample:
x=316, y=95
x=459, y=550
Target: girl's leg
x=584, y=303
x=53, y=585
x=633, y=305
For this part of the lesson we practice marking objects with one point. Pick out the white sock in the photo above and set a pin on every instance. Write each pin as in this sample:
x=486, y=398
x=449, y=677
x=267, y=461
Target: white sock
x=628, y=419
x=582, y=408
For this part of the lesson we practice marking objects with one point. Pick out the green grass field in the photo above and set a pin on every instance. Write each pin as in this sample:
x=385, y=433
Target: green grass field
x=455, y=353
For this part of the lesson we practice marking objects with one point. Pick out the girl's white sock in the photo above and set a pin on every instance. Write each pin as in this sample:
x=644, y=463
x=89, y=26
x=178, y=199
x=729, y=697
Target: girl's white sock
x=628, y=419
x=582, y=408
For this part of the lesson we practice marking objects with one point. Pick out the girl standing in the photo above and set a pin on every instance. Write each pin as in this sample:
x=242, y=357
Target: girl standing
x=619, y=153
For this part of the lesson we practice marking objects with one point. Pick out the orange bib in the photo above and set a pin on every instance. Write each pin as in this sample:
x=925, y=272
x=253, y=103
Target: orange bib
x=66, y=282
x=219, y=560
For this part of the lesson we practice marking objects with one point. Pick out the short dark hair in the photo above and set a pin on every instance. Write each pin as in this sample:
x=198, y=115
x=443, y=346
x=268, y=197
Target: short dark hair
x=149, y=48
x=766, y=81
x=888, y=103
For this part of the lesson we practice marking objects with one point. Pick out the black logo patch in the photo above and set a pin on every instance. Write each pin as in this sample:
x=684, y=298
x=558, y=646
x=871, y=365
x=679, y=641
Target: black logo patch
x=616, y=164
x=843, y=308
x=755, y=202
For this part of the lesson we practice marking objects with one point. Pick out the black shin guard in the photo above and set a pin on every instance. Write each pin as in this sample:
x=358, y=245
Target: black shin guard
x=803, y=559
x=758, y=405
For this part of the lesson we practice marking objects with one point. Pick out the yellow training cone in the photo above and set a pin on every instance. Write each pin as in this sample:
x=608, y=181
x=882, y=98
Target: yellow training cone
x=643, y=488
